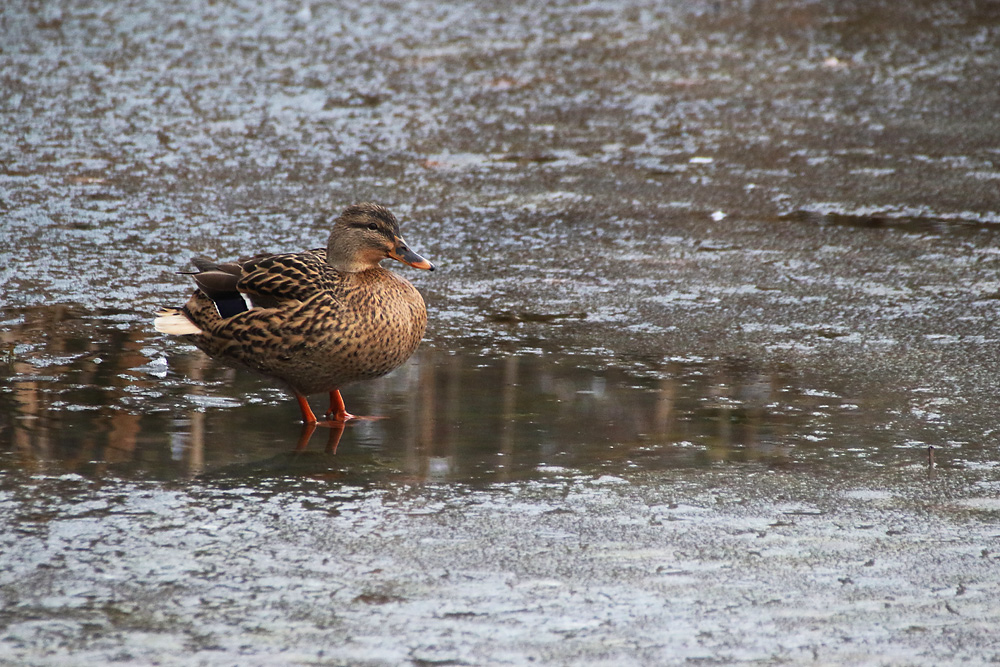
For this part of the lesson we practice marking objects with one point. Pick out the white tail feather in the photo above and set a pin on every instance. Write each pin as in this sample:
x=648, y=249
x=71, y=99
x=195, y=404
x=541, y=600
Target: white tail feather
x=174, y=323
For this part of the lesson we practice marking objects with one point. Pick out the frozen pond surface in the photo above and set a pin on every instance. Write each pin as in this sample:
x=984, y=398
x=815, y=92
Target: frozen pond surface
x=714, y=279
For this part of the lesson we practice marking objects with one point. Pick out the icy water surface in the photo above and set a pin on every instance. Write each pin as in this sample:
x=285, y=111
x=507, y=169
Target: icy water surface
x=711, y=366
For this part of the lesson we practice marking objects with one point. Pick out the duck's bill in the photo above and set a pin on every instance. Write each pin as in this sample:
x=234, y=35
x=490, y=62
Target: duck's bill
x=406, y=256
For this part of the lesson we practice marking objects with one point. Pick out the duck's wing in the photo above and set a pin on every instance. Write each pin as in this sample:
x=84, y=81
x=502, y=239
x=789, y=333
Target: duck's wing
x=261, y=281
x=268, y=281
x=219, y=282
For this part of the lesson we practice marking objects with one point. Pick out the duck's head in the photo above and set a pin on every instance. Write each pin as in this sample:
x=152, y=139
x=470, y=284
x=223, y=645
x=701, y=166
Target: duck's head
x=364, y=235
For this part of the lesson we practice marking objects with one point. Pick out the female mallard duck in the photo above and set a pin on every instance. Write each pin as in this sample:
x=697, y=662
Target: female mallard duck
x=319, y=319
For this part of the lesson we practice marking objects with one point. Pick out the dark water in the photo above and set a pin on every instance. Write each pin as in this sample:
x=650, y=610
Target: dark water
x=715, y=281
x=90, y=394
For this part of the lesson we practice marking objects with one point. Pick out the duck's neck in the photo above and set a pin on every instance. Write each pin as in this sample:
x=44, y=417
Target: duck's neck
x=345, y=263
x=347, y=259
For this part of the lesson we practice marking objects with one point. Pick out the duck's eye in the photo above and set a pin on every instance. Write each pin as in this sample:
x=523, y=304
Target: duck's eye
x=373, y=227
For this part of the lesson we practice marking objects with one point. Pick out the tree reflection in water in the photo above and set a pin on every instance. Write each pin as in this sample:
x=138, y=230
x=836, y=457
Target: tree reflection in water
x=102, y=394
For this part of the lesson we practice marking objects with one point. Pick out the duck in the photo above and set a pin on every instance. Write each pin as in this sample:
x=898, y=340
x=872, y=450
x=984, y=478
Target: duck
x=316, y=320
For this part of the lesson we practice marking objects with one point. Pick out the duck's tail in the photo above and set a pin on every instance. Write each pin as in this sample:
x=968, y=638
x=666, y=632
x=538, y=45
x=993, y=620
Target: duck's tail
x=175, y=323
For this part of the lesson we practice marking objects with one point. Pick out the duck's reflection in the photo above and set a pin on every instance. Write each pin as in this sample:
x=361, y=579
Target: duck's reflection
x=334, y=430
x=91, y=394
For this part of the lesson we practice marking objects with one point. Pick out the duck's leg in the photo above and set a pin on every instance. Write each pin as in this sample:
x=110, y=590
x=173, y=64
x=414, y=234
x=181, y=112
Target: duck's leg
x=307, y=414
x=338, y=411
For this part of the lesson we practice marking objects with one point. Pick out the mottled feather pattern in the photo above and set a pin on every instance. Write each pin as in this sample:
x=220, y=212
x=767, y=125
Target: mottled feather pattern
x=290, y=276
x=327, y=329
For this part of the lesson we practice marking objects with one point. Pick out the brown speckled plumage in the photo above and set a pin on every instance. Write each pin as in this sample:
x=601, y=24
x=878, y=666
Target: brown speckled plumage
x=320, y=319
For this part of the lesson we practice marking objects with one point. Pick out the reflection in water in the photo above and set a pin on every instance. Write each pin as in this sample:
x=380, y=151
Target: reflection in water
x=54, y=367
x=95, y=393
